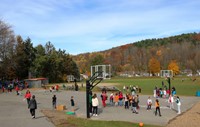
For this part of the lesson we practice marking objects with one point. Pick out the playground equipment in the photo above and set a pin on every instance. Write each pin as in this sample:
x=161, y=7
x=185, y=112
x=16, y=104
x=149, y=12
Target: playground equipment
x=168, y=74
x=90, y=84
x=105, y=69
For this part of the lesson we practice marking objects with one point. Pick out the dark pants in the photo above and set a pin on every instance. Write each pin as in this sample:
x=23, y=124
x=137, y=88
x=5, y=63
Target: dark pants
x=32, y=111
x=90, y=107
x=95, y=109
x=126, y=105
x=28, y=100
x=148, y=107
x=157, y=109
x=54, y=105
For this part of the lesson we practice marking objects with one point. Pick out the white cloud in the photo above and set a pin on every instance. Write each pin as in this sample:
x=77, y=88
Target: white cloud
x=99, y=24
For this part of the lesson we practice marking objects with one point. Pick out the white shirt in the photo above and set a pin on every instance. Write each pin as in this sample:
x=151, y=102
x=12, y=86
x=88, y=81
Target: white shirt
x=95, y=102
x=149, y=101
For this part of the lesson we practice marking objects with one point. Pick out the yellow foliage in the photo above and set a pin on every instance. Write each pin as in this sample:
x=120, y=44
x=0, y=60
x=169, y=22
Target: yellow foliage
x=154, y=65
x=174, y=67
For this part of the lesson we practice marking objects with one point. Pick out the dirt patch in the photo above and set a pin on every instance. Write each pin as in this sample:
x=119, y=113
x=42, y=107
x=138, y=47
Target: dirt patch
x=191, y=118
x=58, y=118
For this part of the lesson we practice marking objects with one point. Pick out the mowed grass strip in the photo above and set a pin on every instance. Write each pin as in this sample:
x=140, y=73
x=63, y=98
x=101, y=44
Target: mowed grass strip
x=60, y=119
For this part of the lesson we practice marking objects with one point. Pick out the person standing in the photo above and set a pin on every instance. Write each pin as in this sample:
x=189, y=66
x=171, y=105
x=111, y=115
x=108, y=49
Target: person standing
x=178, y=102
x=72, y=103
x=149, y=103
x=157, y=105
x=134, y=105
x=171, y=102
x=17, y=89
x=32, y=106
x=54, y=98
x=111, y=98
x=95, y=103
x=104, y=98
x=126, y=104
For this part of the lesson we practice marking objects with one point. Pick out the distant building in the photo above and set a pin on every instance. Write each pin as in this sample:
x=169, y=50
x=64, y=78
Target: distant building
x=37, y=82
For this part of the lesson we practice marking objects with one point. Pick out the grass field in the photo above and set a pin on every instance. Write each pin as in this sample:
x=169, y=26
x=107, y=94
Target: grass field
x=187, y=87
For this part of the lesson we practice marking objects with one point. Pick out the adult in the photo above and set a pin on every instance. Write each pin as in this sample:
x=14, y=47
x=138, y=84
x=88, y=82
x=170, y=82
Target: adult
x=32, y=106
x=178, y=102
x=95, y=104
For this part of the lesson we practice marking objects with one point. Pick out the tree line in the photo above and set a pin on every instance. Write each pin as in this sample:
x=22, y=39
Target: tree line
x=175, y=53
x=19, y=59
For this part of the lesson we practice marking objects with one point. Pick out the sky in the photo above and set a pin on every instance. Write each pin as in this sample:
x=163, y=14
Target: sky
x=80, y=26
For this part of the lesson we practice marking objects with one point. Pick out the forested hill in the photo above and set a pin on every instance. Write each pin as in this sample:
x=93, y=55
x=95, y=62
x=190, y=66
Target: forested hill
x=149, y=55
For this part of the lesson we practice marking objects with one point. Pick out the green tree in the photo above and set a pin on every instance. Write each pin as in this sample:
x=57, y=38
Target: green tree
x=97, y=60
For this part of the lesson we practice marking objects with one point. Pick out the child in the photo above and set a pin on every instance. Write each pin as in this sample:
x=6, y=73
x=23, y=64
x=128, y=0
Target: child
x=54, y=101
x=149, y=103
x=32, y=106
x=157, y=105
x=72, y=103
x=28, y=96
x=95, y=104
x=178, y=105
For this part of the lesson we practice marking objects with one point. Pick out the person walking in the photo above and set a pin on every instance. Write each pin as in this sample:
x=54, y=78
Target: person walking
x=95, y=103
x=27, y=96
x=54, y=98
x=32, y=106
x=178, y=102
x=157, y=105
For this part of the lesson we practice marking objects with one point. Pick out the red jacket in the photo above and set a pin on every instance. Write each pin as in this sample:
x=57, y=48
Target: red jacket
x=27, y=95
x=17, y=88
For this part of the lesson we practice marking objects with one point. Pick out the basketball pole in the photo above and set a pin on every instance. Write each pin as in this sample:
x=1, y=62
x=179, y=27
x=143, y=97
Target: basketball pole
x=169, y=82
x=90, y=84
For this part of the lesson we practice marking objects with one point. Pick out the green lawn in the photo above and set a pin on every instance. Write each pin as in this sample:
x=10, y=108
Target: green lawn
x=186, y=87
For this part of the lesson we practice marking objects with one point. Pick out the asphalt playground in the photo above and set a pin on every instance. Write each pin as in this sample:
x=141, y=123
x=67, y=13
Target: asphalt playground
x=14, y=111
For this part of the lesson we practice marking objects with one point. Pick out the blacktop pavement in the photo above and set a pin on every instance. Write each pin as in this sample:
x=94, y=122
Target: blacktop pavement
x=14, y=111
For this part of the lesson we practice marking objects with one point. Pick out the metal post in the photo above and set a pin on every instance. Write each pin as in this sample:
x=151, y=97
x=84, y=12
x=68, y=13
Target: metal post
x=87, y=98
x=169, y=82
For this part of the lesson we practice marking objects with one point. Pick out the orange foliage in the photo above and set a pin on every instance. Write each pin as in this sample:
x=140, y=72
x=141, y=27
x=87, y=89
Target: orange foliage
x=174, y=67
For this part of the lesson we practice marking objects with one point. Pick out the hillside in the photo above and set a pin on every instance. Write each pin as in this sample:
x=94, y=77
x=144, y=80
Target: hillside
x=141, y=56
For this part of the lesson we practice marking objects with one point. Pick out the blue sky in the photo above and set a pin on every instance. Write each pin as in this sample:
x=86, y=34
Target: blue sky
x=80, y=26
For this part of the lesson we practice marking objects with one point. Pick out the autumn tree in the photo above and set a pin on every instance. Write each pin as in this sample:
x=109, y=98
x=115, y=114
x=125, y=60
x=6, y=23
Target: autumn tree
x=174, y=67
x=154, y=66
x=7, y=45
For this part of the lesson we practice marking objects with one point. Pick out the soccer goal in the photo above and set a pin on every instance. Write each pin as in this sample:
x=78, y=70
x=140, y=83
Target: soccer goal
x=105, y=69
x=166, y=73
